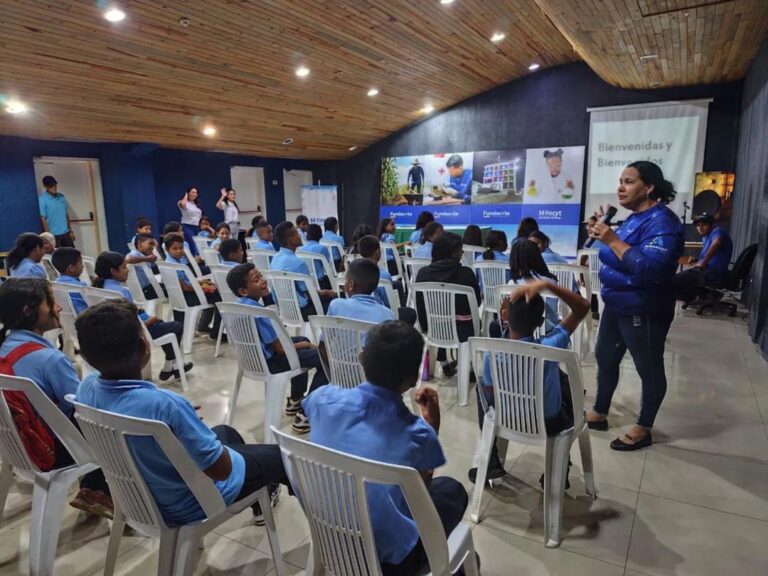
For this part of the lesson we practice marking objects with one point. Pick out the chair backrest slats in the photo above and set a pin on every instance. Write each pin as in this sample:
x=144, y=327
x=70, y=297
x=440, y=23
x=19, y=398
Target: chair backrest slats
x=220, y=272
x=344, y=339
x=261, y=258
x=491, y=273
x=440, y=306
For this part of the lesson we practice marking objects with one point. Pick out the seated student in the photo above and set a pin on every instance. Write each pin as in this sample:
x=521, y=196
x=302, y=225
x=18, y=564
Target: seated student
x=446, y=267
x=386, y=235
x=711, y=265
x=223, y=232
x=288, y=239
x=424, y=218
x=174, y=249
x=255, y=221
x=369, y=248
x=524, y=229
x=361, y=231
x=206, y=230
x=111, y=340
x=312, y=244
x=527, y=264
x=331, y=226
x=231, y=252
x=69, y=264
x=542, y=241
x=173, y=228
x=263, y=231
x=495, y=246
x=431, y=233
x=27, y=312
x=373, y=422
x=522, y=315
x=361, y=281
x=23, y=261
x=302, y=223
x=247, y=283
x=143, y=227
x=112, y=274
x=144, y=252
x=49, y=242
x=473, y=236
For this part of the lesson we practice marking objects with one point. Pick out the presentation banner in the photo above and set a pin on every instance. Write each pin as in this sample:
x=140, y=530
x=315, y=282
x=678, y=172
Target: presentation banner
x=319, y=203
x=490, y=188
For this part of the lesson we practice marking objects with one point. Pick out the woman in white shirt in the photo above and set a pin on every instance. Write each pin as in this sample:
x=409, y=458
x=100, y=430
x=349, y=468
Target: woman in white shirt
x=191, y=212
x=228, y=205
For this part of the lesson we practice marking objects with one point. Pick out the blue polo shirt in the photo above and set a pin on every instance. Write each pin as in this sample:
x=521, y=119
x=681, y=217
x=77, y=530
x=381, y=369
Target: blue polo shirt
x=50, y=369
x=28, y=268
x=140, y=274
x=229, y=263
x=287, y=261
x=267, y=332
x=388, y=238
x=416, y=236
x=373, y=422
x=553, y=398
x=54, y=210
x=360, y=307
x=142, y=399
x=116, y=286
x=424, y=251
x=551, y=257
x=333, y=237
x=380, y=294
x=315, y=247
x=264, y=245
x=75, y=297
x=463, y=184
x=717, y=267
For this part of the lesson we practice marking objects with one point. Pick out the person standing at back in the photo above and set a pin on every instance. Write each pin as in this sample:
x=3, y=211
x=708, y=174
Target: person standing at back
x=191, y=213
x=54, y=213
x=228, y=204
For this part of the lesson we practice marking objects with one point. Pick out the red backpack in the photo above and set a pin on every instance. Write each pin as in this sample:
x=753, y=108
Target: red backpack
x=34, y=433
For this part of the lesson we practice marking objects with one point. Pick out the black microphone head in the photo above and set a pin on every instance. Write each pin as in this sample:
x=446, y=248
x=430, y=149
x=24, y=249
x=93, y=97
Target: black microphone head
x=609, y=214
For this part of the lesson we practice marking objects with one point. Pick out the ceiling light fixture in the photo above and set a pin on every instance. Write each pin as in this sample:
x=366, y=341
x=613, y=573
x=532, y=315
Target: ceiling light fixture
x=16, y=107
x=446, y=2
x=428, y=109
x=373, y=92
x=534, y=66
x=209, y=131
x=352, y=148
x=302, y=71
x=287, y=141
x=498, y=37
x=114, y=15
x=649, y=57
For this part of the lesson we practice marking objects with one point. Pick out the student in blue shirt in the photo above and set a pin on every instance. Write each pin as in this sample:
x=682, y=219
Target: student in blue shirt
x=223, y=232
x=331, y=226
x=521, y=316
x=231, y=252
x=23, y=261
x=711, y=265
x=69, y=264
x=312, y=244
x=111, y=340
x=302, y=223
x=27, y=311
x=112, y=274
x=371, y=421
x=543, y=242
x=288, y=238
x=361, y=280
x=247, y=283
x=361, y=231
x=386, y=235
x=144, y=253
x=432, y=232
x=495, y=246
x=424, y=218
x=54, y=213
x=205, y=228
x=176, y=228
x=143, y=228
x=264, y=232
x=369, y=248
x=460, y=178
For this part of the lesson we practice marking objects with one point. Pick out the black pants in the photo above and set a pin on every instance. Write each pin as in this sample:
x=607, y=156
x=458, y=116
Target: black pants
x=64, y=240
x=308, y=358
x=325, y=283
x=407, y=315
x=644, y=336
x=161, y=328
x=309, y=309
x=205, y=315
x=689, y=284
x=465, y=330
x=450, y=499
x=263, y=463
x=61, y=457
x=392, y=267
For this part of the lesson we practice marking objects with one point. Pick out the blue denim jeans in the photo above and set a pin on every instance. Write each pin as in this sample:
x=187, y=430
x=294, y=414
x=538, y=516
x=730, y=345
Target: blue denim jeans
x=644, y=336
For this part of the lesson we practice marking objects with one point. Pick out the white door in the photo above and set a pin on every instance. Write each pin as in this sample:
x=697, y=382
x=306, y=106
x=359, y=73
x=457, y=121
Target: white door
x=248, y=182
x=293, y=180
x=80, y=182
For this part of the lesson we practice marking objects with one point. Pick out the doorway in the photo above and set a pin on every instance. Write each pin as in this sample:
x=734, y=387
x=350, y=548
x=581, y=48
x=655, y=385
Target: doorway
x=248, y=181
x=293, y=180
x=80, y=181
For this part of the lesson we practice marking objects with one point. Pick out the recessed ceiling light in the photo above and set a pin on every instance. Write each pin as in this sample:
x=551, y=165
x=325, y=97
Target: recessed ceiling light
x=534, y=66
x=428, y=109
x=287, y=141
x=498, y=37
x=446, y=2
x=114, y=15
x=302, y=71
x=373, y=92
x=209, y=130
x=15, y=107
x=352, y=148
x=649, y=57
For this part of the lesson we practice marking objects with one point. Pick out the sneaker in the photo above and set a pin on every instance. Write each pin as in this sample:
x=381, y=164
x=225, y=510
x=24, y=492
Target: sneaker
x=301, y=423
x=494, y=473
x=274, y=499
x=165, y=375
x=449, y=369
x=292, y=407
x=177, y=373
x=94, y=502
x=215, y=336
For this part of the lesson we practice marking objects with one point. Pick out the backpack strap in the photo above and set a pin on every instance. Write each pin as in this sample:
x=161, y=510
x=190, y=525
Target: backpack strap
x=20, y=351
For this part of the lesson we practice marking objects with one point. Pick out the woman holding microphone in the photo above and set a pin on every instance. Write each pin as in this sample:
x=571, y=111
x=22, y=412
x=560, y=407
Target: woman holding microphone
x=638, y=268
x=191, y=212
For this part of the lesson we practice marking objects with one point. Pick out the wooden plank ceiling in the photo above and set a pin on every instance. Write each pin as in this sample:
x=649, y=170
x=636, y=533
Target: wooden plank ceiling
x=150, y=79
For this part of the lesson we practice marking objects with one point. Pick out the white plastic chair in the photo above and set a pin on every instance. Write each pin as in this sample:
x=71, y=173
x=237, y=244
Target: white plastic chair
x=593, y=263
x=344, y=339
x=386, y=250
x=517, y=376
x=283, y=286
x=108, y=433
x=340, y=249
x=348, y=259
x=331, y=487
x=393, y=298
x=470, y=253
x=89, y=269
x=195, y=266
x=50, y=271
x=491, y=274
x=219, y=273
x=409, y=250
x=152, y=306
x=251, y=241
x=578, y=278
x=67, y=315
x=51, y=488
x=440, y=307
x=168, y=272
x=211, y=256
x=310, y=258
x=202, y=244
x=261, y=258
x=240, y=320
x=412, y=267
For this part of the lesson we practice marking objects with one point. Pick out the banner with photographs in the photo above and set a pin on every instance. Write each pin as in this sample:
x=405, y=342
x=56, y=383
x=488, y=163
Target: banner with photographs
x=491, y=189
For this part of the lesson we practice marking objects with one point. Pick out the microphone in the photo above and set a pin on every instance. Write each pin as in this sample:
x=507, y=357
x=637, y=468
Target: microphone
x=606, y=219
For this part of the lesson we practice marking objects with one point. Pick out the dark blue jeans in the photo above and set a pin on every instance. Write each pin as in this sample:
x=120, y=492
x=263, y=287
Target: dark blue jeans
x=644, y=336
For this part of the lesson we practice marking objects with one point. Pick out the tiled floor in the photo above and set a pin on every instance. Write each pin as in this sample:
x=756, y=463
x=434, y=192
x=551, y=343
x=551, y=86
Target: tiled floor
x=696, y=503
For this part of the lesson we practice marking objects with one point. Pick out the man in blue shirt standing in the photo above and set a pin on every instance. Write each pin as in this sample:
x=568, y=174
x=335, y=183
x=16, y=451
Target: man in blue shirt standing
x=711, y=266
x=372, y=421
x=461, y=178
x=54, y=214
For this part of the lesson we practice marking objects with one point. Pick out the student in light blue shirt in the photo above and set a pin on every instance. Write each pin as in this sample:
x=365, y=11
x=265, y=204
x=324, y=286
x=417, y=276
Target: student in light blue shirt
x=495, y=246
x=231, y=252
x=424, y=218
x=144, y=253
x=361, y=280
x=206, y=229
x=331, y=226
x=223, y=232
x=386, y=234
x=263, y=231
x=54, y=213
x=373, y=422
x=302, y=223
x=543, y=242
x=432, y=232
x=312, y=244
x=69, y=264
x=23, y=261
x=111, y=340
